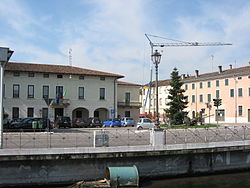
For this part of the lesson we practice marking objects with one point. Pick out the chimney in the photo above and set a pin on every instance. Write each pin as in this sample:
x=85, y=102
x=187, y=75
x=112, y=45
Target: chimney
x=197, y=73
x=183, y=76
x=220, y=69
x=231, y=66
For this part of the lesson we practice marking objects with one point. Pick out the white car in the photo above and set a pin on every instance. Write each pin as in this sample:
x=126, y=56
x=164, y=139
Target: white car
x=145, y=123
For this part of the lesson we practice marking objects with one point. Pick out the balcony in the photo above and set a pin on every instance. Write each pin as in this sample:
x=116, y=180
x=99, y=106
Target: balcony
x=129, y=104
x=61, y=103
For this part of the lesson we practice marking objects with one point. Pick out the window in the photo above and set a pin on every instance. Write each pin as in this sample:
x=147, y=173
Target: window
x=102, y=93
x=193, y=98
x=160, y=101
x=186, y=87
x=186, y=99
x=102, y=78
x=81, y=77
x=226, y=82
x=45, y=113
x=217, y=83
x=208, y=84
x=217, y=94
x=240, y=92
x=16, y=90
x=45, y=92
x=240, y=110
x=201, y=98
x=240, y=78
x=127, y=97
x=81, y=93
x=46, y=75
x=30, y=91
x=209, y=97
x=31, y=74
x=16, y=74
x=127, y=113
x=59, y=76
x=30, y=112
x=231, y=92
x=193, y=86
x=59, y=92
x=15, y=112
x=201, y=85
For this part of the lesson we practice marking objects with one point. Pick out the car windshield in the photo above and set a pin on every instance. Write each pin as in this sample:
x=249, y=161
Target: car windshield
x=115, y=119
x=129, y=118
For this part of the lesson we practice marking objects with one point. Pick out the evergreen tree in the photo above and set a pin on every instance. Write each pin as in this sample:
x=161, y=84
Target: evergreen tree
x=175, y=111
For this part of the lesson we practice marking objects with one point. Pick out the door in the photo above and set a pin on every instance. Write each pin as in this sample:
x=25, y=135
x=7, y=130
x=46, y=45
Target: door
x=58, y=112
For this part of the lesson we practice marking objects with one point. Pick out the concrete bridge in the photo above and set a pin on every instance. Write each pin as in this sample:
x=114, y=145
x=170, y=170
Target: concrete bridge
x=229, y=150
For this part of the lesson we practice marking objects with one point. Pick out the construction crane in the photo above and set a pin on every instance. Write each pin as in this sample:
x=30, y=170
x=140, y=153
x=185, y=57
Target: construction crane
x=174, y=43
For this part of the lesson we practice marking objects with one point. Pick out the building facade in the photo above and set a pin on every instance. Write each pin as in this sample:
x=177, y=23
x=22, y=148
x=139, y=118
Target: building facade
x=128, y=96
x=148, y=99
x=232, y=86
x=39, y=90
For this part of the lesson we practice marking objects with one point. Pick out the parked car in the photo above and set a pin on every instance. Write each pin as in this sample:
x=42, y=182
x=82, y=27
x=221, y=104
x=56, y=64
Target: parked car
x=6, y=123
x=112, y=123
x=127, y=121
x=79, y=123
x=14, y=123
x=32, y=124
x=63, y=121
x=94, y=122
x=145, y=123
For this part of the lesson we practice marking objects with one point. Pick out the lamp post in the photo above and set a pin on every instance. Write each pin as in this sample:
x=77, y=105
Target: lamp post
x=156, y=58
x=5, y=54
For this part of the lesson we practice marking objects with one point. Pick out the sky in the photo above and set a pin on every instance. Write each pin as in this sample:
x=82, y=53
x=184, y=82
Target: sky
x=109, y=35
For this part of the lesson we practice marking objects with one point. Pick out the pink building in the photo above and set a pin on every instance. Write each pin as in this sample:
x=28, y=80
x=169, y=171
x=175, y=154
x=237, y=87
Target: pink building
x=231, y=85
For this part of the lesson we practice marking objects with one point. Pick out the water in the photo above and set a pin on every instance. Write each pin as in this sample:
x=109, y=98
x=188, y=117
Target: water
x=236, y=180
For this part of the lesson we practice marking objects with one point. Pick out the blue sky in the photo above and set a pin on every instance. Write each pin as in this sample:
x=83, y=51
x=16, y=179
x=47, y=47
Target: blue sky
x=108, y=35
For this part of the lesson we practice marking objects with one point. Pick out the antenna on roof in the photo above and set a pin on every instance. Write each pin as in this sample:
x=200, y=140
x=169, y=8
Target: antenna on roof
x=212, y=57
x=70, y=57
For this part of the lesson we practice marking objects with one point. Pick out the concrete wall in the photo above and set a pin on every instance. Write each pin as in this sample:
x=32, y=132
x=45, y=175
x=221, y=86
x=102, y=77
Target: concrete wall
x=47, y=166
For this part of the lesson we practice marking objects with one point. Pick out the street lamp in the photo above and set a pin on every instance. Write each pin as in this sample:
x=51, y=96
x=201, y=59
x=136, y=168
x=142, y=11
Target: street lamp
x=5, y=54
x=156, y=58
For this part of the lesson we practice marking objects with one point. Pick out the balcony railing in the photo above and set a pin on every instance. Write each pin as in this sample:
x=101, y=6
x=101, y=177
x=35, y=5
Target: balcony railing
x=129, y=104
x=60, y=102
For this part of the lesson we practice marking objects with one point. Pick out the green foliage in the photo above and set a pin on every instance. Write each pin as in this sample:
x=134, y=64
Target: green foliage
x=178, y=102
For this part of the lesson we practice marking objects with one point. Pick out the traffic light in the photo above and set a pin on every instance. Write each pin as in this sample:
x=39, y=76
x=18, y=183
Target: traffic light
x=217, y=102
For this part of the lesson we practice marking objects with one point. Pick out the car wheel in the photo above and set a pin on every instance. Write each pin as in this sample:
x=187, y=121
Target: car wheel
x=139, y=128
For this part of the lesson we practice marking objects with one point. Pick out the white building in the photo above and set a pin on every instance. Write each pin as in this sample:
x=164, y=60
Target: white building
x=148, y=99
x=40, y=90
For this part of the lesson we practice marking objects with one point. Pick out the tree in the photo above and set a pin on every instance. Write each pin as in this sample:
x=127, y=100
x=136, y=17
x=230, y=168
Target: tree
x=178, y=101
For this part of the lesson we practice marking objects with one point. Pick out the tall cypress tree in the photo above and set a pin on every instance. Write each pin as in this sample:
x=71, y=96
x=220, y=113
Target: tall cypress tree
x=175, y=112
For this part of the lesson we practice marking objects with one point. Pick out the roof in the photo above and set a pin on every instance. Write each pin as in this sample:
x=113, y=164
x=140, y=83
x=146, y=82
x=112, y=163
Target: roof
x=160, y=83
x=218, y=75
x=127, y=84
x=61, y=69
x=241, y=71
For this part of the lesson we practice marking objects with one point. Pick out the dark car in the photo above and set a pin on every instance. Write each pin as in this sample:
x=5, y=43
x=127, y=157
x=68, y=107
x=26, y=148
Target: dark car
x=63, y=121
x=32, y=124
x=79, y=123
x=94, y=122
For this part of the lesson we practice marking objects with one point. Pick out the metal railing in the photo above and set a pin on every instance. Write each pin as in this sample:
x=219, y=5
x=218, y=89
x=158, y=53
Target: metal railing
x=65, y=138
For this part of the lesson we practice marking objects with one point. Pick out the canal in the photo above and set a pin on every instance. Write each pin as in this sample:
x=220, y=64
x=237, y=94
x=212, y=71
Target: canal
x=236, y=180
